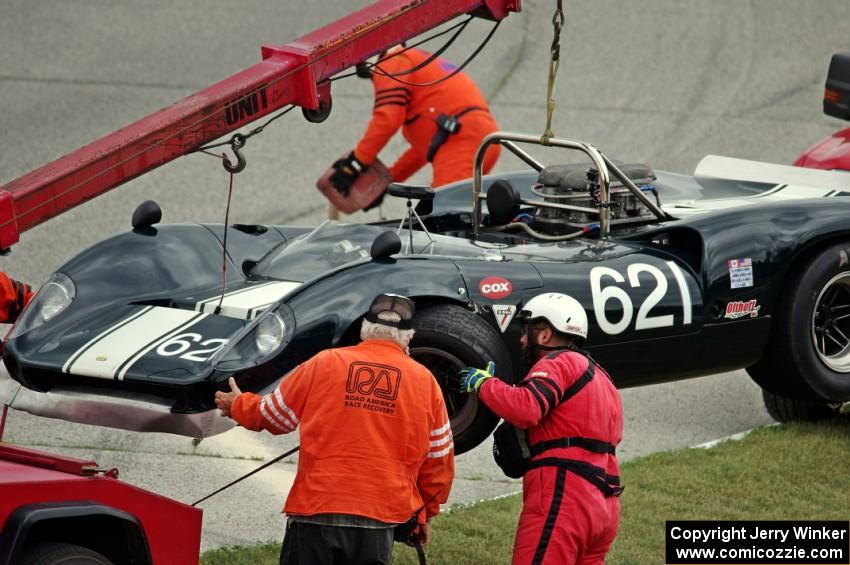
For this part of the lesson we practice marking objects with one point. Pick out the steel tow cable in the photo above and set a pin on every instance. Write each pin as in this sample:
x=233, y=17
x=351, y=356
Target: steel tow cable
x=243, y=477
x=420, y=552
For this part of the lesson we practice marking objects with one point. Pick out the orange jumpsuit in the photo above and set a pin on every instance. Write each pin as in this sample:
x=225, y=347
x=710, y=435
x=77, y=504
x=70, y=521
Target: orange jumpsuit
x=375, y=436
x=14, y=296
x=414, y=110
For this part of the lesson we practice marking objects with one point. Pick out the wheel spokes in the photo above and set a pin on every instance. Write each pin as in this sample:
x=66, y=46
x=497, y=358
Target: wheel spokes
x=831, y=323
x=444, y=367
x=831, y=337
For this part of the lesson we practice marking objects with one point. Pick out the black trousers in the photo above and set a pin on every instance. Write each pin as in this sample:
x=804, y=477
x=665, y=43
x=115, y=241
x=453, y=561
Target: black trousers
x=313, y=544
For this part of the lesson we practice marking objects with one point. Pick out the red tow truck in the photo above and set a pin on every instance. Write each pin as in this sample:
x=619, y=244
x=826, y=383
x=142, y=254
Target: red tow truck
x=54, y=508
x=57, y=509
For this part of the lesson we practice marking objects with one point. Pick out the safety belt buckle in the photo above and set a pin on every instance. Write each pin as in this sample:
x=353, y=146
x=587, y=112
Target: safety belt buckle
x=448, y=123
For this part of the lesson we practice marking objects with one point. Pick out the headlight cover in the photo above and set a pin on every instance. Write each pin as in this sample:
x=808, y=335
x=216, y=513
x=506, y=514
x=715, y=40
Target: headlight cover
x=53, y=297
x=259, y=342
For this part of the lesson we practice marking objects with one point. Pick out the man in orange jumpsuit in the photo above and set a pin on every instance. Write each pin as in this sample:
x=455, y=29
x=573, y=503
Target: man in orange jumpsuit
x=14, y=296
x=376, y=444
x=443, y=119
x=573, y=417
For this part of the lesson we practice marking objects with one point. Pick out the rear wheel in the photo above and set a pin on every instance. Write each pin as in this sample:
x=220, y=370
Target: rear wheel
x=55, y=553
x=447, y=339
x=808, y=358
x=785, y=410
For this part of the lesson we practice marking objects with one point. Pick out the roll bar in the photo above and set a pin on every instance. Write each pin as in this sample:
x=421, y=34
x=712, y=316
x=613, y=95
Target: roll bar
x=600, y=161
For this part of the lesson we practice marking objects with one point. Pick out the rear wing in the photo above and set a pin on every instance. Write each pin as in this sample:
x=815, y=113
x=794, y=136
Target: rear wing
x=715, y=166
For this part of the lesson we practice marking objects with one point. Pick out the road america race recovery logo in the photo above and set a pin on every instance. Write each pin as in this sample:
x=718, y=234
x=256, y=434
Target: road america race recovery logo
x=495, y=288
x=372, y=387
x=739, y=309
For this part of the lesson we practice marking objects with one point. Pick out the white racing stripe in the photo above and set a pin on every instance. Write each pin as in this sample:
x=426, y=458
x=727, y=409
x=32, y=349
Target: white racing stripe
x=66, y=368
x=247, y=303
x=117, y=348
x=122, y=370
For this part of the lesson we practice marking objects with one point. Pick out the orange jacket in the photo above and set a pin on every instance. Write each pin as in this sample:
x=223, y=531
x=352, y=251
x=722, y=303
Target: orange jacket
x=375, y=435
x=414, y=110
x=14, y=296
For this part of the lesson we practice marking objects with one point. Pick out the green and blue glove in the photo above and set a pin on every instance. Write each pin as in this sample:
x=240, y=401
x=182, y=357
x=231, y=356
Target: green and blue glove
x=470, y=379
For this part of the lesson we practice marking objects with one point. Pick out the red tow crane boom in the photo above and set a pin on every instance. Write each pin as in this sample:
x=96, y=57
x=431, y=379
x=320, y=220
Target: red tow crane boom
x=295, y=73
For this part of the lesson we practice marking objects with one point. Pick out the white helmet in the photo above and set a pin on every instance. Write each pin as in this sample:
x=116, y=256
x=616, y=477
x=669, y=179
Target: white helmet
x=564, y=313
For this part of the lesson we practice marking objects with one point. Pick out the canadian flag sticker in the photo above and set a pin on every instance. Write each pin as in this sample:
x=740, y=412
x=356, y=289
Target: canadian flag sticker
x=504, y=314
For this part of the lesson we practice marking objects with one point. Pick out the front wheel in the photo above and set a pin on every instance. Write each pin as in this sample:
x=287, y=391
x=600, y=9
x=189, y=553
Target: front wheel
x=447, y=339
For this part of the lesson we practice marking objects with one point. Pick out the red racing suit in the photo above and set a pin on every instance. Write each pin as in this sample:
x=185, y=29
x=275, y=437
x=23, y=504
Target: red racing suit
x=573, y=418
x=14, y=296
x=375, y=436
x=414, y=110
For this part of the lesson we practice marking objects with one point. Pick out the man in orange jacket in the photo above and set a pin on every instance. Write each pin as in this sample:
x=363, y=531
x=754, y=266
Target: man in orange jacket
x=376, y=444
x=14, y=296
x=443, y=117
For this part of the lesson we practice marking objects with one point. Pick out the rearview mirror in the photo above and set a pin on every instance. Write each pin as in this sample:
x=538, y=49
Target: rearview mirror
x=385, y=245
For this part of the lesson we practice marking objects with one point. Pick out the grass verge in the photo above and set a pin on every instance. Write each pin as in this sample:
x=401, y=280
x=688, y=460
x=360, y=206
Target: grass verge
x=792, y=472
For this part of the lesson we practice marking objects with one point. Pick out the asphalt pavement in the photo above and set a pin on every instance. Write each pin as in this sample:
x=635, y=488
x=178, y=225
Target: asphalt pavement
x=659, y=82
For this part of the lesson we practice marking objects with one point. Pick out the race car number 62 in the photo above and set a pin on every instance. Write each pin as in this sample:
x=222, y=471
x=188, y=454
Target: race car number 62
x=181, y=344
x=644, y=321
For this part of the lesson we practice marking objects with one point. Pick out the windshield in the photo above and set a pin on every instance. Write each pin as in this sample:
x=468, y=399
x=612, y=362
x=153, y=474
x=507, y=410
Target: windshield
x=333, y=244
x=327, y=247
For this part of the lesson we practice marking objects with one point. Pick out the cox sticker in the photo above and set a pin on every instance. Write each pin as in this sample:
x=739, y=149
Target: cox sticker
x=495, y=288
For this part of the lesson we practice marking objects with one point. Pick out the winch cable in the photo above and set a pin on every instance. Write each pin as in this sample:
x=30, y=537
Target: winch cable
x=394, y=76
x=224, y=248
x=245, y=476
x=554, y=61
x=236, y=143
x=462, y=25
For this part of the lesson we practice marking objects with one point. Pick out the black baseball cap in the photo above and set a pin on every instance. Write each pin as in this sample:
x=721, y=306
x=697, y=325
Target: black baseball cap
x=386, y=302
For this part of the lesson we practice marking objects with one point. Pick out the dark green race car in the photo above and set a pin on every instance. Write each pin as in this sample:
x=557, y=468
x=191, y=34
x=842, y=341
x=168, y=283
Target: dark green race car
x=744, y=265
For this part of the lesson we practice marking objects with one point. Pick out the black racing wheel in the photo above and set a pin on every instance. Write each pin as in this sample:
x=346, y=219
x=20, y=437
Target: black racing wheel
x=808, y=357
x=449, y=338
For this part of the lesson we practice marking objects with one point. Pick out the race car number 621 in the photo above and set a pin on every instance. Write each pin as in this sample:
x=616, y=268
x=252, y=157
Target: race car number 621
x=644, y=321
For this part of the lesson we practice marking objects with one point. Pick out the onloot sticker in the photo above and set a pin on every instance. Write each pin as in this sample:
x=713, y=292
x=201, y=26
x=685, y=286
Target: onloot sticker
x=504, y=314
x=495, y=288
x=741, y=272
x=738, y=309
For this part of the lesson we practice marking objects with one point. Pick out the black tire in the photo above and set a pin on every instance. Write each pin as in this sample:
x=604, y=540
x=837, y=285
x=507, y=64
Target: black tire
x=56, y=553
x=786, y=410
x=447, y=339
x=808, y=357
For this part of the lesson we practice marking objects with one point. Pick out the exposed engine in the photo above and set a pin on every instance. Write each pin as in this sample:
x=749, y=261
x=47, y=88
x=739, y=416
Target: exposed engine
x=578, y=185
